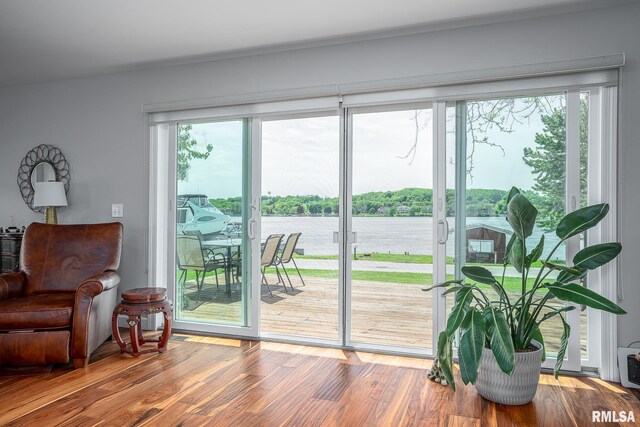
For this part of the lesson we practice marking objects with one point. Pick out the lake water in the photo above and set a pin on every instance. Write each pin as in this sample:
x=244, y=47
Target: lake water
x=383, y=234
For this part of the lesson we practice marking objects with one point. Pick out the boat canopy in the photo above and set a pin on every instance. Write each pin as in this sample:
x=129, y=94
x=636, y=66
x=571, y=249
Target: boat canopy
x=200, y=200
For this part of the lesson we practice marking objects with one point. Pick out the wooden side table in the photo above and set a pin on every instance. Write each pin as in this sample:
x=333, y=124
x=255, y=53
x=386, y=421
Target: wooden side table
x=142, y=302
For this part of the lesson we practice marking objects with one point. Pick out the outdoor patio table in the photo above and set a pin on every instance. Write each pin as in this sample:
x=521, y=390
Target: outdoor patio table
x=227, y=244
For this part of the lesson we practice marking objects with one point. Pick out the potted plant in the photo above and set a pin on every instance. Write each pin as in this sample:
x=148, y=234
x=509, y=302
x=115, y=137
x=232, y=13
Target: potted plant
x=501, y=347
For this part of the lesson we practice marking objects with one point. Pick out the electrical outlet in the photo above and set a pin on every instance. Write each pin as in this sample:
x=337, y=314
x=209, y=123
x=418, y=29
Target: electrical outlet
x=117, y=210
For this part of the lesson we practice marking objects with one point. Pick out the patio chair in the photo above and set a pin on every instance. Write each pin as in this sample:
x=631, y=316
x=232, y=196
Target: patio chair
x=287, y=256
x=236, y=263
x=191, y=256
x=268, y=258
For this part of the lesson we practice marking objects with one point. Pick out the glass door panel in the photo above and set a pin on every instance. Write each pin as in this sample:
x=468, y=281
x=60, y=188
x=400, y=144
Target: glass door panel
x=300, y=200
x=501, y=143
x=212, y=252
x=391, y=248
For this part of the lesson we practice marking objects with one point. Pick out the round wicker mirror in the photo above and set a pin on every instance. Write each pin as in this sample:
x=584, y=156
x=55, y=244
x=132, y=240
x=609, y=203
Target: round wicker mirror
x=42, y=163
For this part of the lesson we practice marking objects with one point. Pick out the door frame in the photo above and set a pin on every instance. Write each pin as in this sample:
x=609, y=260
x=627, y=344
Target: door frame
x=250, y=144
x=439, y=209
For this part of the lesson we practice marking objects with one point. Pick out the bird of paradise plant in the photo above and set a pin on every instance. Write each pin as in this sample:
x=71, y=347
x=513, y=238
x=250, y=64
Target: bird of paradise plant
x=508, y=324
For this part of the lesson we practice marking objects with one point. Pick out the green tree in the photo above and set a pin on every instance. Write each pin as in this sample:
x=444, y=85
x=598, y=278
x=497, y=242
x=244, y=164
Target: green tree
x=547, y=161
x=188, y=149
x=327, y=210
x=315, y=208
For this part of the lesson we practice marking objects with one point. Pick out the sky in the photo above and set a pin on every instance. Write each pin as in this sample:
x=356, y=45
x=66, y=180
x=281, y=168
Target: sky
x=301, y=156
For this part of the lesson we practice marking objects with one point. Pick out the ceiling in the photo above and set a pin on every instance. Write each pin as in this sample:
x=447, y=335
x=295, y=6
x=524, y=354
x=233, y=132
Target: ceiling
x=47, y=40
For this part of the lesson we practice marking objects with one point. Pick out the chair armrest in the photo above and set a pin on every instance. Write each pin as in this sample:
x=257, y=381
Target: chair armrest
x=12, y=285
x=89, y=289
x=98, y=284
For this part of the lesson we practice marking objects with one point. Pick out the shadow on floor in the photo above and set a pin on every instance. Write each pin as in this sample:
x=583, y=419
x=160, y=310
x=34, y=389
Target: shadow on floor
x=211, y=293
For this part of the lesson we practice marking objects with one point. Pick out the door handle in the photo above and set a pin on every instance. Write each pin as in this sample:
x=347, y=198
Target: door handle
x=336, y=237
x=444, y=236
x=252, y=232
x=354, y=237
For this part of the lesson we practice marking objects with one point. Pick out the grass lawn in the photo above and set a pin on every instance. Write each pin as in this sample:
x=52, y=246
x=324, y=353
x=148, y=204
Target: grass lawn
x=512, y=284
x=407, y=259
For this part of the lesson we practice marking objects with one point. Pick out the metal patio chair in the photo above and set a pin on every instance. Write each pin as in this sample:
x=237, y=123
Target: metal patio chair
x=191, y=256
x=269, y=259
x=287, y=256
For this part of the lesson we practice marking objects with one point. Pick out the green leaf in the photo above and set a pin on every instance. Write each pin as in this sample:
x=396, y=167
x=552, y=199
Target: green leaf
x=445, y=355
x=563, y=347
x=537, y=335
x=535, y=253
x=550, y=314
x=442, y=342
x=578, y=294
x=595, y=256
x=566, y=277
x=580, y=220
x=453, y=289
x=569, y=270
x=478, y=274
x=497, y=287
x=512, y=193
x=471, y=346
x=442, y=285
x=508, y=249
x=500, y=339
x=517, y=256
x=521, y=214
x=459, y=310
x=464, y=296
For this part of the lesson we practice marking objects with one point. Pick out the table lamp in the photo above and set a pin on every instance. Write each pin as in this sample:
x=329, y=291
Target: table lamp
x=49, y=195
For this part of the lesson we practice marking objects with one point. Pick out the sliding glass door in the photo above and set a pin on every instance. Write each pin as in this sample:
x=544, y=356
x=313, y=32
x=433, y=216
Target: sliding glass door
x=390, y=239
x=212, y=228
x=300, y=209
x=318, y=222
x=535, y=144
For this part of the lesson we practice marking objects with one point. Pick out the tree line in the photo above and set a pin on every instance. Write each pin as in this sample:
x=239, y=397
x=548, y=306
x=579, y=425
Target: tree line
x=405, y=202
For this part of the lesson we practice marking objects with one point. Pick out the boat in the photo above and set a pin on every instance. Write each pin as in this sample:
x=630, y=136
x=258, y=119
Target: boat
x=196, y=215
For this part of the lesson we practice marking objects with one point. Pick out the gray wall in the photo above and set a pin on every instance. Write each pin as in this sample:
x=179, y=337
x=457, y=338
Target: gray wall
x=98, y=123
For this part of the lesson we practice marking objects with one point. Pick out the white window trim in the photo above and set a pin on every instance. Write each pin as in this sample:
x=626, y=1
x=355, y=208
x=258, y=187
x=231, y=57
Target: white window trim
x=603, y=188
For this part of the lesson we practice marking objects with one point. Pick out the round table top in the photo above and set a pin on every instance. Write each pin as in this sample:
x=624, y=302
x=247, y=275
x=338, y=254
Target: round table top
x=142, y=295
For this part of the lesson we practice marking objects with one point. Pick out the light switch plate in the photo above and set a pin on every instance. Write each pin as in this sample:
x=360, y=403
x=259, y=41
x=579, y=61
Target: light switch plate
x=117, y=210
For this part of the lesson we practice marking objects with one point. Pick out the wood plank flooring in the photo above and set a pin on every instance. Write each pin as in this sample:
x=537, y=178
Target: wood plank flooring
x=224, y=382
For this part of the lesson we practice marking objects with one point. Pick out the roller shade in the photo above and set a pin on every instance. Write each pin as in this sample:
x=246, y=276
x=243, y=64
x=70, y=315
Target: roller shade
x=515, y=80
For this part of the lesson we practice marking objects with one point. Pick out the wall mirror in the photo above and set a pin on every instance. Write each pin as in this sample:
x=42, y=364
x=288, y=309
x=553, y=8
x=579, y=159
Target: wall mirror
x=43, y=163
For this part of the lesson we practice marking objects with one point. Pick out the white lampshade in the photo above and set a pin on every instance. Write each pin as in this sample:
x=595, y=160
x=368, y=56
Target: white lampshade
x=49, y=194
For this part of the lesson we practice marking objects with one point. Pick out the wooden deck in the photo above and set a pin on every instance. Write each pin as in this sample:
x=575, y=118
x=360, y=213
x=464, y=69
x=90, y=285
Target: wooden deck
x=220, y=382
x=382, y=313
x=394, y=314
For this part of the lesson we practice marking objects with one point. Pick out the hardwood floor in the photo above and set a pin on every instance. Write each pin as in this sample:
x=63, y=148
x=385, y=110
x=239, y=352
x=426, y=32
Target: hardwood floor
x=220, y=382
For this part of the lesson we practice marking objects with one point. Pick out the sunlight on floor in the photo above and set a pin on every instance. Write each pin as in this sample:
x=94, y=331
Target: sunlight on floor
x=397, y=361
x=609, y=386
x=303, y=349
x=213, y=340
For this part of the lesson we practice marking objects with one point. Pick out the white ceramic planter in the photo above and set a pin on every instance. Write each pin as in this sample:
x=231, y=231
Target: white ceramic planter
x=515, y=389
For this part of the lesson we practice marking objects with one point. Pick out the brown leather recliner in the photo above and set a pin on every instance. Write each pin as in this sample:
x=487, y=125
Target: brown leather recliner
x=60, y=303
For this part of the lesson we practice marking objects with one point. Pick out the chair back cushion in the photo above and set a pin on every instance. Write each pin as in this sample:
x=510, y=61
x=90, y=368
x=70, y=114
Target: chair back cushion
x=289, y=247
x=189, y=248
x=270, y=249
x=58, y=258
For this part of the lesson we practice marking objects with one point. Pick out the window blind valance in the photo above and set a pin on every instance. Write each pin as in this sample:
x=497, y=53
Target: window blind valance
x=481, y=83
